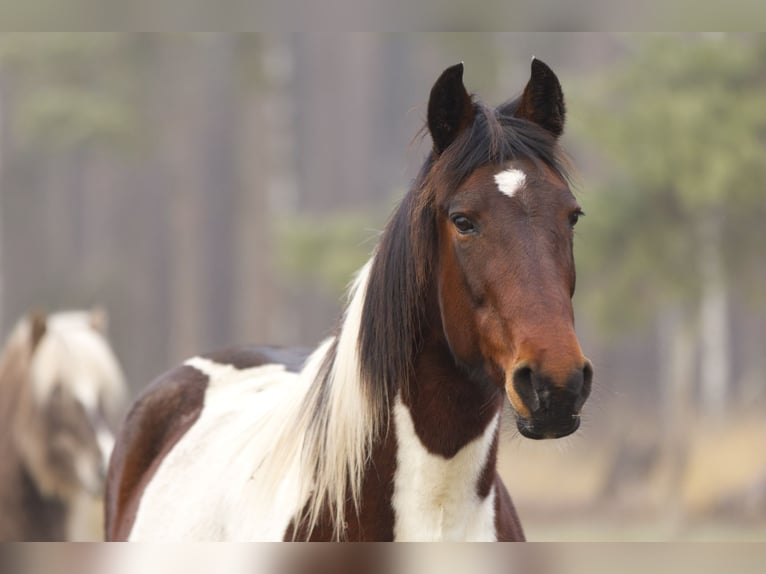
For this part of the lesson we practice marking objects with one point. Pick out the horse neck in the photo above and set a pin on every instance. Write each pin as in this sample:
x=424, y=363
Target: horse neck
x=437, y=427
x=449, y=408
x=441, y=437
x=446, y=435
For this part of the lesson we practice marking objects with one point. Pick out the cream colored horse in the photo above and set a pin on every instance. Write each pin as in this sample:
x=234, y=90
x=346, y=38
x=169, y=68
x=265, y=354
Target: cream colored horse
x=61, y=393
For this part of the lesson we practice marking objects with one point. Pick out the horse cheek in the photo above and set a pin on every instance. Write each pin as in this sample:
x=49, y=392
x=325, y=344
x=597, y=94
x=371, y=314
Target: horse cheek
x=458, y=320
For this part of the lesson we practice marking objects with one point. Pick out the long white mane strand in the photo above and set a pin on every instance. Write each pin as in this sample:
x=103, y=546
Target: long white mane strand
x=343, y=422
x=327, y=438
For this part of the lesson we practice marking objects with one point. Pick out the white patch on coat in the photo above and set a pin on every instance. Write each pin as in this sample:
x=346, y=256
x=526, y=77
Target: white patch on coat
x=510, y=181
x=220, y=373
x=197, y=491
x=435, y=498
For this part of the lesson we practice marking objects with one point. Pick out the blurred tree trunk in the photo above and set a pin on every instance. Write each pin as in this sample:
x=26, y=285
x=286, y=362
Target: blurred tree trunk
x=715, y=358
x=63, y=187
x=265, y=150
x=219, y=177
x=676, y=360
x=337, y=109
x=3, y=139
x=178, y=114
x=202, y=127
x=338, y=103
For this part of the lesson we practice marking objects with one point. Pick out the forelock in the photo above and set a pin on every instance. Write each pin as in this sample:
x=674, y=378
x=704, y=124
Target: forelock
x=495, y=137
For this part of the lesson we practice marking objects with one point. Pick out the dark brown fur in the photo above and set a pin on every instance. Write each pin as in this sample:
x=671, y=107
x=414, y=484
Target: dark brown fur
x=375, y=520
x=507, y=524
x=246, y=356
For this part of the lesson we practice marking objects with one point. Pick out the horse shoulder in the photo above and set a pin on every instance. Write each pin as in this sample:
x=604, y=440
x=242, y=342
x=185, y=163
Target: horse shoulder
x=507, y=524
x=158, y=419
x=163, y=414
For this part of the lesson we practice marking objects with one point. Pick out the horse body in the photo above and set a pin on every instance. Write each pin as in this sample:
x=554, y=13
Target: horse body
x=408, y=492
x=60, y=386
x=389, y=430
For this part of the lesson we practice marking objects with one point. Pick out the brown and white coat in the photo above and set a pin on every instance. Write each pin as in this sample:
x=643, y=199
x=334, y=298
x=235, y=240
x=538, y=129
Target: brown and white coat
x=389, y=430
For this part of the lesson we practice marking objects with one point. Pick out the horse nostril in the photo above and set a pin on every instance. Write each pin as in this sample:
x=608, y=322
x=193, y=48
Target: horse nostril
x=523, y=384
x=579, y=385
x=587, y=375
x=576, y=382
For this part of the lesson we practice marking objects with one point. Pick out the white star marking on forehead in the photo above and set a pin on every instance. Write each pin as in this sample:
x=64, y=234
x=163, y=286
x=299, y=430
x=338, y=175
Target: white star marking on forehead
x=510, y=181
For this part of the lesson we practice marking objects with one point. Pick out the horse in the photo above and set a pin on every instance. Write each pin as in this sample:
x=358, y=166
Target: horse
x=389, y=429
x=61, y=388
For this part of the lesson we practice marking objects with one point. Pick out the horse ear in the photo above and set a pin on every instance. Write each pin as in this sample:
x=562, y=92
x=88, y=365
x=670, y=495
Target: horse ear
x=99, y=319
x=450, y=109
x=543, y=101
x=38, y=326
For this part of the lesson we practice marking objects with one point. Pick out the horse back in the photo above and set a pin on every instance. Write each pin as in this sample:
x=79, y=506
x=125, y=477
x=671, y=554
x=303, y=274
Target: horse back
x=159, y=418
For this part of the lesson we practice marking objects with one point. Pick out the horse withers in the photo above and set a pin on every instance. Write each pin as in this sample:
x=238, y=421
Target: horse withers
x=61, y=393
x=389, y=429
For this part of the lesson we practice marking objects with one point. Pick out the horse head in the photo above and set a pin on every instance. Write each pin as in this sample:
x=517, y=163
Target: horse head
x=504, y=216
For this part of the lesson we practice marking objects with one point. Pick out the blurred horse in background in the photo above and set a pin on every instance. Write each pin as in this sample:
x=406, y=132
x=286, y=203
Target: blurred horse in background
x=61, y=391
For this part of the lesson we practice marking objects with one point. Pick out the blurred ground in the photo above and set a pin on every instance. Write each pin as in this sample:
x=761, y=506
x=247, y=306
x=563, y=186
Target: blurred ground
x=619, y=486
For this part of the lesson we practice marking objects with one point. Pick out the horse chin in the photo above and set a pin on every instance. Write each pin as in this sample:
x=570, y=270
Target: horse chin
x=546, y=428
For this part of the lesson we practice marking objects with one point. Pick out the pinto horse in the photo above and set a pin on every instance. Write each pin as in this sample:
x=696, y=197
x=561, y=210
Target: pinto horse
x=389, y=430
x=61, y=392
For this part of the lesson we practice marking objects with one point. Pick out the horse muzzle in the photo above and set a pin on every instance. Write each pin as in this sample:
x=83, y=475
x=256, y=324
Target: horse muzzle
x=546, y=408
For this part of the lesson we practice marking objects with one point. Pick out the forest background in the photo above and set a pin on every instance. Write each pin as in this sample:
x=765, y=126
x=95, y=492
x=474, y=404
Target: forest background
x=207, y=189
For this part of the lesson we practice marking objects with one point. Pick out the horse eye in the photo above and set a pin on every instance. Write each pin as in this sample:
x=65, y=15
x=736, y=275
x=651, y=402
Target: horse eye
x=464, y=225
x=575, y=217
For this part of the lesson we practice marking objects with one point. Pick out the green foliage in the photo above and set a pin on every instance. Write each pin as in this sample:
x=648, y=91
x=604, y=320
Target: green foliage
x=250, y=49
x=324, y=249
x=686, y=117
x=70, y=90
x=681, y=125
x=63, y=118
x=90, y=89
